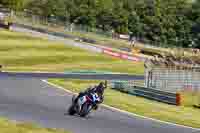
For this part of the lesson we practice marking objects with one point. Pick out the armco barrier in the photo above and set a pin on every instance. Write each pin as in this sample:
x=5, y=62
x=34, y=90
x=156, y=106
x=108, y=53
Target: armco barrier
x=4, y=26
x=89, y=72
x=153, y=94
x=82, y=76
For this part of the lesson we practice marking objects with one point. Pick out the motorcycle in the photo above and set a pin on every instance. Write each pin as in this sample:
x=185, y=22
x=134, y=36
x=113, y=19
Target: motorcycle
x=84, y=104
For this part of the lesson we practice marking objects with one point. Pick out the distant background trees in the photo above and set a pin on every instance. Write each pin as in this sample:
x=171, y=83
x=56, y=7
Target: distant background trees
x=161, y=22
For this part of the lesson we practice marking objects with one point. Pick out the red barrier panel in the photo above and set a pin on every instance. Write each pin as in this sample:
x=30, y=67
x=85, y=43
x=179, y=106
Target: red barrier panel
x=111, y=53
x=106, y=48
x=124, y=56
x=121, y=55
x=133, y=58
x=129, y=57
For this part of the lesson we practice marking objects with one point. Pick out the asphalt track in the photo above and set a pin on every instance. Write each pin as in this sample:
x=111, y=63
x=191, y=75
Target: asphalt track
x=32, y=100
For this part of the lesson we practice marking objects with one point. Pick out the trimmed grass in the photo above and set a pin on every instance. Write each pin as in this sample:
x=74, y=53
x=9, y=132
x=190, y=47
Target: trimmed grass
x=190, y=98
x=15, y=127
x=185, y=115
x=19, y=52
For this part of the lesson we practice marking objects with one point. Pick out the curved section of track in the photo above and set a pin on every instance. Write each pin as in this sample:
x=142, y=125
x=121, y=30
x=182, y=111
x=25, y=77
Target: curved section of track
x=35, y=101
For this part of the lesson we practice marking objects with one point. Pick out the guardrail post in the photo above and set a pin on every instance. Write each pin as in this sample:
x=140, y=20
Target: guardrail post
x=178, y=99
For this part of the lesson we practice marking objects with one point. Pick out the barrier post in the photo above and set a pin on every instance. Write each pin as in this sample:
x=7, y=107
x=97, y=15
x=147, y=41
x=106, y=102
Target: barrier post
x=178, y=99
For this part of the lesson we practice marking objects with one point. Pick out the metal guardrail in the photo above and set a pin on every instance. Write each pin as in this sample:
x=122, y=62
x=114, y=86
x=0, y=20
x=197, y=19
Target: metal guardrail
x=83, y=76
x=153, y=94
x=90, y=72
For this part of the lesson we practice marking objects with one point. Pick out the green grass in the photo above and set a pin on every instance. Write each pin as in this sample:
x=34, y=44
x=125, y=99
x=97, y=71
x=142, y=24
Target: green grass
x=7, y=126
x=185, y=114
x=24, y=53
x=190, y=98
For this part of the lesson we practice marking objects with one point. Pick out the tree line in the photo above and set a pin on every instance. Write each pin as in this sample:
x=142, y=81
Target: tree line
x=173, y=23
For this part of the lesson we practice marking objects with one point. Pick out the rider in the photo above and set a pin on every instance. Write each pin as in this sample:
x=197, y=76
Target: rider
x=96, y=89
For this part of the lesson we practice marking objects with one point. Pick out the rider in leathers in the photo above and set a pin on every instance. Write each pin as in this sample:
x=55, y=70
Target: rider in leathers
x=96, y=89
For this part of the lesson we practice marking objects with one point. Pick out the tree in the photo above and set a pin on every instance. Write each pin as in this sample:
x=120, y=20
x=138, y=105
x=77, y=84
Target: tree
x=13, y=4
x=104, y=17
x=120, y=17
x=160, y=22
x=195, y=18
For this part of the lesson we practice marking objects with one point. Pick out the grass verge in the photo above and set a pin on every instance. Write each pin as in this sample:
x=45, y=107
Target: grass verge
x=19, y=52
x=7, y=126
x=185, y=115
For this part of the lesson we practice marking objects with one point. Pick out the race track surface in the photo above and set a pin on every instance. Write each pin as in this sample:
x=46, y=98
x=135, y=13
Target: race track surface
x=32, y=100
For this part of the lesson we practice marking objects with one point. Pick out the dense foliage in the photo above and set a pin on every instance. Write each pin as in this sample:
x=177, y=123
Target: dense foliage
x=161, y=22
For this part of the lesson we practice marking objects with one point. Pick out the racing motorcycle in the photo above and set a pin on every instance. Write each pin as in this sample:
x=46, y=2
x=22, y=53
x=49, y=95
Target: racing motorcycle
x=84, y=104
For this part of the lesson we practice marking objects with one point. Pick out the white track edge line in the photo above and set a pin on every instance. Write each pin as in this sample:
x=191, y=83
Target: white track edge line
x=123, y=111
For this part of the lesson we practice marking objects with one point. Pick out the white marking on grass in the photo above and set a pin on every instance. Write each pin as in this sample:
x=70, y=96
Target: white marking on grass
x=123, y=111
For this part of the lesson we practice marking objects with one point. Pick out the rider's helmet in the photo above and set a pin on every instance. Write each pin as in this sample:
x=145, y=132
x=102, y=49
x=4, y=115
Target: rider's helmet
x=100, y=88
